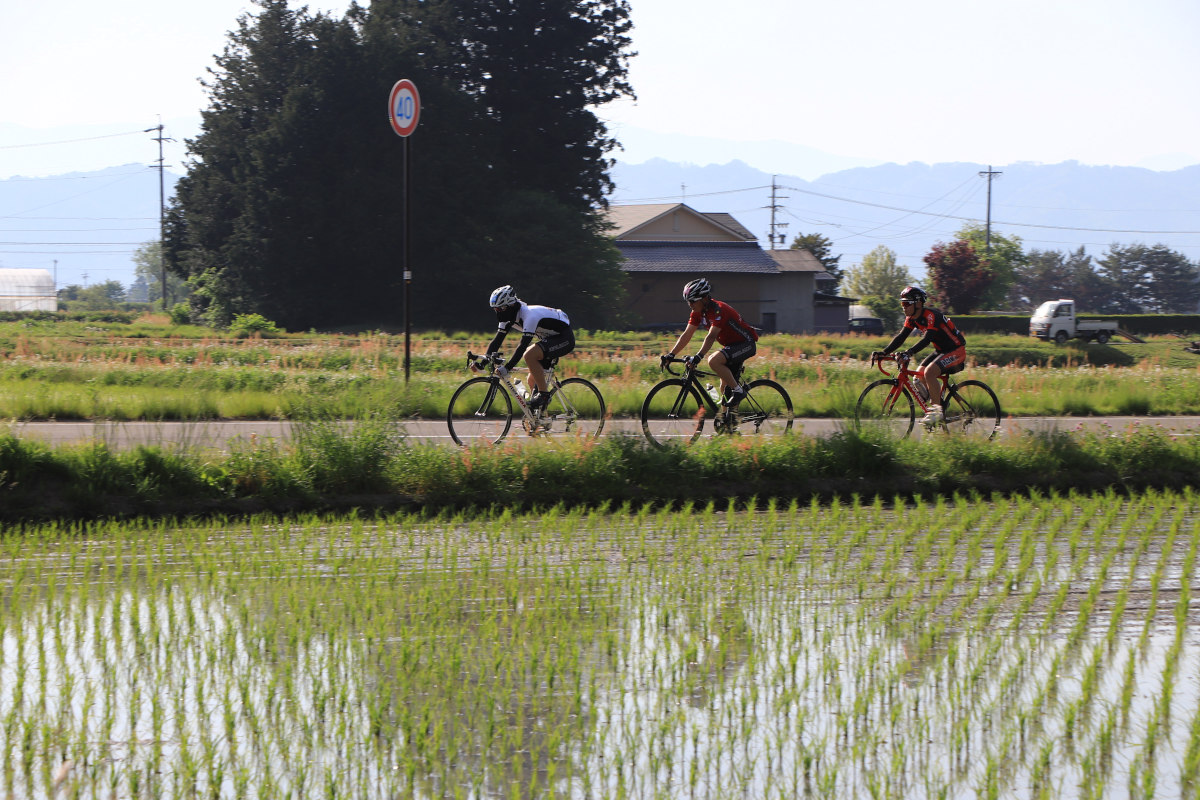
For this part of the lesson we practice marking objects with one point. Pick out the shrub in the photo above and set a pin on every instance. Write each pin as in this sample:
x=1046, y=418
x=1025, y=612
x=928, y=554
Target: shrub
x=181, y=314
x=247, y=325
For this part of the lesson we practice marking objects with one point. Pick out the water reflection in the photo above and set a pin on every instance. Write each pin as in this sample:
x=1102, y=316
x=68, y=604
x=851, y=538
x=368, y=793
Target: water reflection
x=748, y=656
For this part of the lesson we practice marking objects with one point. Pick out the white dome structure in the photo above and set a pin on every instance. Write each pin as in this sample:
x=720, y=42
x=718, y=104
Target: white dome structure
x=27, y=290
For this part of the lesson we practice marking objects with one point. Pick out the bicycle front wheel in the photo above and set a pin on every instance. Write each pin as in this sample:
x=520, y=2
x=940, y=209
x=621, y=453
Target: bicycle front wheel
x=673, y=412
x=766, y=411
x=577, y=408
x=480, y=411
x=973, y=411
x=887, y=406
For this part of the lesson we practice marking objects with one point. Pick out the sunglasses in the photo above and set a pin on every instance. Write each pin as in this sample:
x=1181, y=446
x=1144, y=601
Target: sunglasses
x=908, y=302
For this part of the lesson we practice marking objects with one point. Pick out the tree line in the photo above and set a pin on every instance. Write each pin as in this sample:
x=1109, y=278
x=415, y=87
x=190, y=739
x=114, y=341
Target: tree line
x=978, y=272
x=292, y=205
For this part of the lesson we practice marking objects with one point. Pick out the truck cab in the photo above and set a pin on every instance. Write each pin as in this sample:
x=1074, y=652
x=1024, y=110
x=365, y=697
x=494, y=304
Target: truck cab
x=1055, y=319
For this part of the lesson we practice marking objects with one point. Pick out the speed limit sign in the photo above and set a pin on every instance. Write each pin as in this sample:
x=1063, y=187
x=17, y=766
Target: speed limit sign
x=404, y=107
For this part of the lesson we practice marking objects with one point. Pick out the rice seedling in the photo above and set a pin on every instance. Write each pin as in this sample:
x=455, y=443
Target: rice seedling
x=970, y=645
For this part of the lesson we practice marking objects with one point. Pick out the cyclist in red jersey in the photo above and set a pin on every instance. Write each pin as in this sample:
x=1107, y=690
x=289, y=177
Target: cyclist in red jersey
x=726, y=327
x=949, y=345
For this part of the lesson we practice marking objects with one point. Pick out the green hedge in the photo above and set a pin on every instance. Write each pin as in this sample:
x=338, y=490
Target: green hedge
x=115, y=317
x=1141, y=324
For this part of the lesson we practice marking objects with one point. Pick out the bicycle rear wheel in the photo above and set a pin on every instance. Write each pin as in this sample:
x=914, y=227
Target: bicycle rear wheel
x=766, y=411
x=577, y=408
x=480, y=411
x=973, y=411
x=673, y=412
x=886, y=406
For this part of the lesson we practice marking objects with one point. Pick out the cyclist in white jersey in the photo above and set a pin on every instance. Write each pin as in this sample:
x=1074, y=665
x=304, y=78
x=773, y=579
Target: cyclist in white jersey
x=551, y=326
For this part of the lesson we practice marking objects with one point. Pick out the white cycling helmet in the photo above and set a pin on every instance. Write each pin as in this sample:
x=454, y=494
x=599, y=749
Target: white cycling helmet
x=503, y=297
x=696, y=289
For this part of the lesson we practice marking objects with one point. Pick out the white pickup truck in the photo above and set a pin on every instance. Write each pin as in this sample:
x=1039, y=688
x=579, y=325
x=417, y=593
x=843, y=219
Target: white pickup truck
x=1055, y=319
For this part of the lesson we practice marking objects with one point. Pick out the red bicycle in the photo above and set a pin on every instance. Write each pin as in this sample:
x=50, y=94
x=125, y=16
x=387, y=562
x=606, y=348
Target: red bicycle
x=969, y=408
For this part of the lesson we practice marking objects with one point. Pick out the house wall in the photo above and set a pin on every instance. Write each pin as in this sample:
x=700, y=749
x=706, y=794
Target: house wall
x=790, y=296
x=656, y=299
x=831, y=318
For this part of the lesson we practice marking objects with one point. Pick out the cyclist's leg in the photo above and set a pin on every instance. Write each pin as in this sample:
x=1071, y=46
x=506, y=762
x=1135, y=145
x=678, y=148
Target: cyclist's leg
x=718, y=362
x=944, y=364
x=537, y=373
x=541, y=357
x=547, y=350
x=930, y=370
x=726, y=360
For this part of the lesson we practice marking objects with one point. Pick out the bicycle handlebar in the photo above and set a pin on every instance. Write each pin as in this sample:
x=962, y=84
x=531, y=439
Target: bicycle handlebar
x=901, y=359
x=492, y=359
x=666, y=363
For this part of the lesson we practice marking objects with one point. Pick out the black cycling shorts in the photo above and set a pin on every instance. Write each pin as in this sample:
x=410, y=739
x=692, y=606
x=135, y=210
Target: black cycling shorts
x=735, y=354
x=557, y=346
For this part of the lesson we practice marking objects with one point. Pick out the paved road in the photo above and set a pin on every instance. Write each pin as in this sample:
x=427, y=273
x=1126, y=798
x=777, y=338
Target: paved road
x=223, y=435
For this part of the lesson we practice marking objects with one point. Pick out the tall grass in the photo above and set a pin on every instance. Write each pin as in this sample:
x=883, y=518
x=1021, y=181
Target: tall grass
x=143, y=371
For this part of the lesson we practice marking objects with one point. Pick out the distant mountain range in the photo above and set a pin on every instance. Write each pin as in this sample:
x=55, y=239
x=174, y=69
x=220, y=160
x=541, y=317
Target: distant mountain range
x=910, y=207
x=82, y=227
x=92, y=222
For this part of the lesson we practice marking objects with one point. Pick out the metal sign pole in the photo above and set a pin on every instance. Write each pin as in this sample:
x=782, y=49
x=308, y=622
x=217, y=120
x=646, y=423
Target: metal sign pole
x=404, y=109
x=407, y=273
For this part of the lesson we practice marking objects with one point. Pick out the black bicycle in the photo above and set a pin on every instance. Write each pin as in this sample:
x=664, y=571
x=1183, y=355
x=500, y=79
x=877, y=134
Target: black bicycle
x=481, y=410
x=678, y=409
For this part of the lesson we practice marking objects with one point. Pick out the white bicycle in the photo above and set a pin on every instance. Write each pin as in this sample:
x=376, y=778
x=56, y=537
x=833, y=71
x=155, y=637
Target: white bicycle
x=482, y=410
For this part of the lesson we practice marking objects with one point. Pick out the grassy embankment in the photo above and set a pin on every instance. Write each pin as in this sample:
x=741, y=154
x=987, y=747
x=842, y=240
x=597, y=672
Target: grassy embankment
x=371, y=468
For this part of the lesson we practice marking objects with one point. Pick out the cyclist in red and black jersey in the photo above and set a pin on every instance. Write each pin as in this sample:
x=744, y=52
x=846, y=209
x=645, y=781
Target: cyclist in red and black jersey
x=949, y=344
x=726, y=327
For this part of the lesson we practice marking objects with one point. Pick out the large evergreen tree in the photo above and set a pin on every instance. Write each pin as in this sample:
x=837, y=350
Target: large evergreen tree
x=1150, y=280
x=293, y=206
x=1053, y=274
x=822, y=248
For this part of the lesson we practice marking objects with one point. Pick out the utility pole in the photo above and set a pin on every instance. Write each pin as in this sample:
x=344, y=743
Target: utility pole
x=775, y=198
x=162, y=210
x=988, y=230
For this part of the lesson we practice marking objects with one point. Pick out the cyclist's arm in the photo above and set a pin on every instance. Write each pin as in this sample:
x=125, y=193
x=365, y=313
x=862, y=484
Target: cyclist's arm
x=897, y=341
x=498, y=339
x=921, y=345
x=526, y=338
x=684, y=338
x=708, y=341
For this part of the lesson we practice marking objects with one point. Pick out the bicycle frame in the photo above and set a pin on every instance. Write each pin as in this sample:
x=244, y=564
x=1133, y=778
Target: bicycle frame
x=968, y=408
x=497, y=370
x=692, y=374
x=906, y=377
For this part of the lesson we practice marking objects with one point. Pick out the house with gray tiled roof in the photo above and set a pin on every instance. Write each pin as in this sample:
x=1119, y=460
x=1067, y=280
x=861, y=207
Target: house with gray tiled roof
x=665, y=245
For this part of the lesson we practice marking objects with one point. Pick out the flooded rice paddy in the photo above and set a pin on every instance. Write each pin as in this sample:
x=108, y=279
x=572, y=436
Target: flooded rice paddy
x=970, y=648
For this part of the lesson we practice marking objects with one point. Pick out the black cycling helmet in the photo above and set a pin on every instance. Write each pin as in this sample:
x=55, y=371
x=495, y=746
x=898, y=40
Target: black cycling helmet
x=696, y=289
x=914, y=293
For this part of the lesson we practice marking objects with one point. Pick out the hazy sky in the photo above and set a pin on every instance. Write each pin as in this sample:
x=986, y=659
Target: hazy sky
x=1098, y=81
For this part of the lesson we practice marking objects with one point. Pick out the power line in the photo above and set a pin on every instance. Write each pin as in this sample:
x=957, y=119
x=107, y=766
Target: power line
x=67, y=141
x=921, y=211
x=972, y=219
